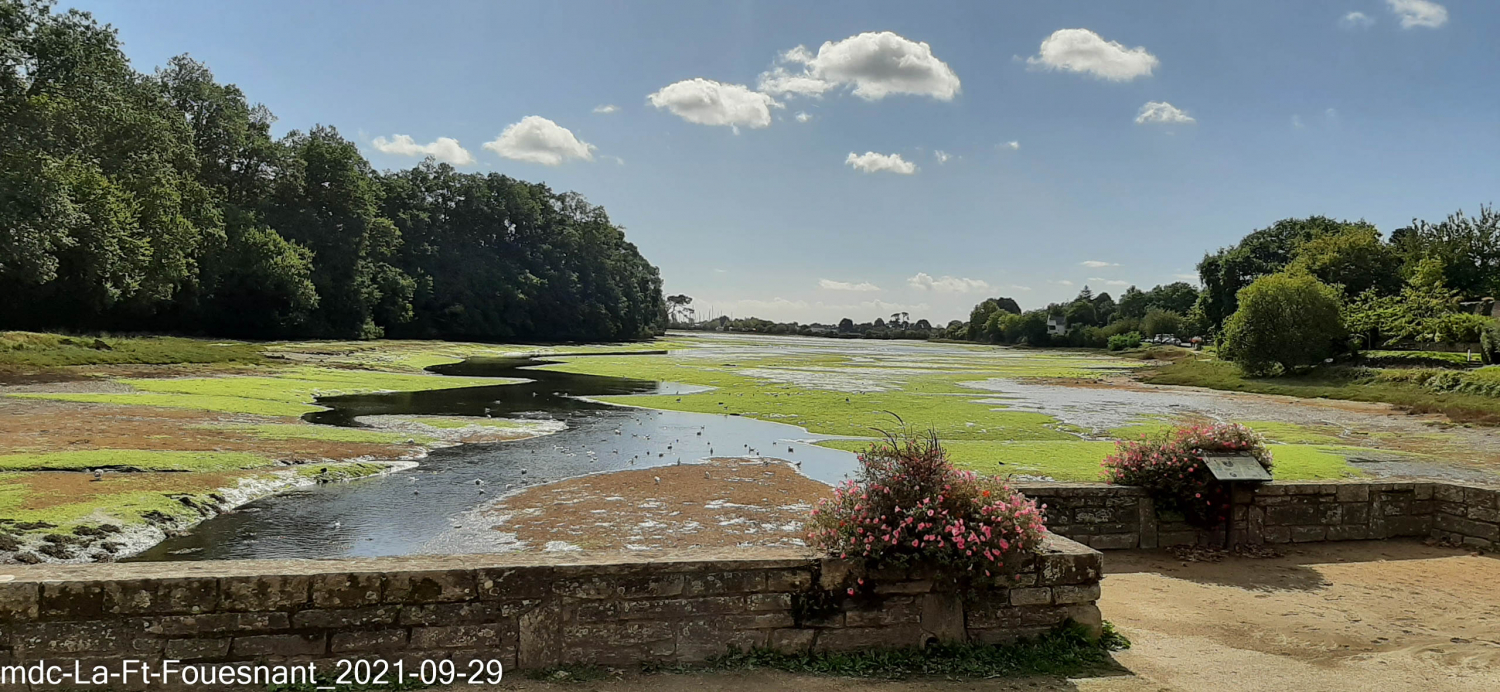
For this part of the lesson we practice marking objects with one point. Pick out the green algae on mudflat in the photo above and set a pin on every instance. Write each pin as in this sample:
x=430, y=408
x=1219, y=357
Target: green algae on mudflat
x=288, y=392
x=138, y=459
x=1080, y=460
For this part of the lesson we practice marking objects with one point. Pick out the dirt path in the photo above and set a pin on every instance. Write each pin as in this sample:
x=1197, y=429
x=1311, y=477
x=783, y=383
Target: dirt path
x=1359, y=616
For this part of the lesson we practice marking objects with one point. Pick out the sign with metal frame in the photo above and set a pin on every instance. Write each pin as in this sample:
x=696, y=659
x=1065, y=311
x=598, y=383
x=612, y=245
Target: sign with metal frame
x=1235, y=467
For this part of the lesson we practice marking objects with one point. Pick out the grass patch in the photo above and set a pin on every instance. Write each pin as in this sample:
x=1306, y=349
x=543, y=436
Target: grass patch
x=138, y=459
x=1412, y=390
x=286, y=393
x=459, y=422
x=328, y=473
x=1079, y=460
x=64, y=500
x=326, y=433
x=33, y=350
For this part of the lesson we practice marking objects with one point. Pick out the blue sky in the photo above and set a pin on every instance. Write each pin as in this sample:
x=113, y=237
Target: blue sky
x=1059, y=171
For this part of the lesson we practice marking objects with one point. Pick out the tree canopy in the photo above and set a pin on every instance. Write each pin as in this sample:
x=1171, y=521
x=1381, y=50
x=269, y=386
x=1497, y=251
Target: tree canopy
x=131, y=201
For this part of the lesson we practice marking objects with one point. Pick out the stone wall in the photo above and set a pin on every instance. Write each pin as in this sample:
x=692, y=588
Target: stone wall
x=525, y=610
x=1108, y=517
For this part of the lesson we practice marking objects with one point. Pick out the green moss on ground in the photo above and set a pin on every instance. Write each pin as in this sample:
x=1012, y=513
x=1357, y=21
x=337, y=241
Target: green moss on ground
x=1394, y=386
x=33, y=350
x=327, y=433
x=289, y=392
x=140, y=459
x=341, y=471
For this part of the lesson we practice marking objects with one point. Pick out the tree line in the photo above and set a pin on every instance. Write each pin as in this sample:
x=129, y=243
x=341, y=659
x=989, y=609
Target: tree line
x=161, y=202
x=1318, y=287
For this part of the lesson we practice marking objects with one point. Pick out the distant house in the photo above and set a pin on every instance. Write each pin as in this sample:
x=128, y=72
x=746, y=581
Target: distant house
x=1057, y=324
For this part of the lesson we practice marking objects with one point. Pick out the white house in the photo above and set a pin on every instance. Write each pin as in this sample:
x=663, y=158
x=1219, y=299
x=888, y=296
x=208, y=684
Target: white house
x=1057, y=324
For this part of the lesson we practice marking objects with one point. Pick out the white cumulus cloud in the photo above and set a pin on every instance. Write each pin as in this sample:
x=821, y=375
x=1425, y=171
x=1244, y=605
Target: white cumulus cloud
x=706, y=102
x=1061, y=282
x=1011, y=145
x=941, y=156
x=947, y=284
x=539, y=140
x=1081, y=50
x=803, y=117
x=875, y=64
x=1162, y=112
x=606, y=109
x=1356, y=20
x=1095, y=264
x=871, y=162
x=862, y=286
x=1419, y=13
x=444, y=149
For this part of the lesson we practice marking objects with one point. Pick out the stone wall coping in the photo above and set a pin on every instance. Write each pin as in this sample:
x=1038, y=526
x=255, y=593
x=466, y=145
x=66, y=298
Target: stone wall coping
x=578, y=562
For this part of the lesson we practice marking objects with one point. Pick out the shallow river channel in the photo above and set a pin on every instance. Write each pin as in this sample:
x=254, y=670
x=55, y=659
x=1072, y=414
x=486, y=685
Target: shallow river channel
x=434, y=508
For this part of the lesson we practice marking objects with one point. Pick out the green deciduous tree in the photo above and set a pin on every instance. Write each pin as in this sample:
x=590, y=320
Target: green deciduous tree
x=1285, y=321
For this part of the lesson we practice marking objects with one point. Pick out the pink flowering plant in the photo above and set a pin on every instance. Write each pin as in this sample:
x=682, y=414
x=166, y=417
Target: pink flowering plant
x=909, y=505
x=1171, y=467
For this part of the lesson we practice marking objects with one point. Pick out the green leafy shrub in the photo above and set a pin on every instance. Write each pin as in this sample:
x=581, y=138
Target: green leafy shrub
x=1489, y=343
x=1170, y=467
x=1286, y=321
x=910, y=505
x=1120, y=342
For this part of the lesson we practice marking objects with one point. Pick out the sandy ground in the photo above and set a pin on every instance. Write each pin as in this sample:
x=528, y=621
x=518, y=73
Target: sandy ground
x=722, y=502
x=1365, y=616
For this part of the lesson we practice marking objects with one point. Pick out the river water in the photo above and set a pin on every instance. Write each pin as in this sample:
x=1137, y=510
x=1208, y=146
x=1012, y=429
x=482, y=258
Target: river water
x=428, y=510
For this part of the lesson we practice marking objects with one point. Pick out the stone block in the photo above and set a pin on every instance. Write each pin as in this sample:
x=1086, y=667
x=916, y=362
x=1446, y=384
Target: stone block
x=161, y=596
x=539, y=639
x=50, y=639
x=792, y=640
x=1482, y=497
x=856, y=638
x=265, y=592
x=458, y=636
x=347, y=590
x=1447, y=492
x=461, y=613
x=197, y=649
x=789, y=580
x=906, y=587
x=891, y=611
x=1355, y=513
x=514, y=583
x=438, y=586
x=1040, y=595
x=70, y=600
x=1348, y=532
x=367, y=640
x=1114, y=541
x=718, y=584
x=1171, y=538
x=1065, y=595
x=678, y=608
x=1088, y=615
x=1423, y=491
x=1077, y=566
x=1483, y=514
x=1353, y=492
x=1467, y=527
x=620, y=587
x=749, y=621
x=19, y=601
x=278, y=645
x=942, y=617
x=699, y=640
x=229, y=623
x=341, y=618
x=1408, y=526
x=1278, y=534
x=1307, y=534
x=760, y=602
